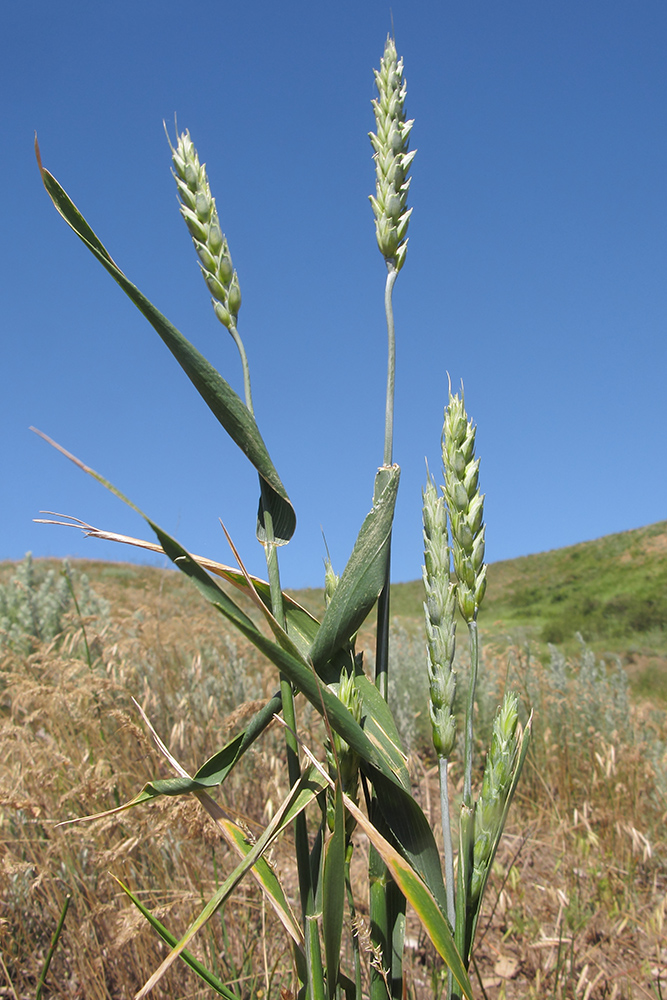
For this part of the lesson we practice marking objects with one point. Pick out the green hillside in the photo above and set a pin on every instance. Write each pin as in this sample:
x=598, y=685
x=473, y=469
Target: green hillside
x=609, y=588
x=612, y=590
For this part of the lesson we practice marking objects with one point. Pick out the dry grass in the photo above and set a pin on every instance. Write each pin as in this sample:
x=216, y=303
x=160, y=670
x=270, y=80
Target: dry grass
x=577, y=904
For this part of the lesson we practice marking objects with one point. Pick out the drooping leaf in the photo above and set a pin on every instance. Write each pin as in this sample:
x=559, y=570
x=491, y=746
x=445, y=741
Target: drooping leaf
x=224, y=403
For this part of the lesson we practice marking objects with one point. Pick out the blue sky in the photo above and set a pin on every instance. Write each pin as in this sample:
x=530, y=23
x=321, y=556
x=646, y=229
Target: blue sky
x=535, y=273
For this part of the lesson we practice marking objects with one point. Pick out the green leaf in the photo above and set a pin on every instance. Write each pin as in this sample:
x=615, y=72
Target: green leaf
x=171, y=940
x=224, y=403
x=379, y=725
x=412, y=835
x=333, y=893
x=214, y=771
x=269, y=881
x=364, y=576
x=419, y=896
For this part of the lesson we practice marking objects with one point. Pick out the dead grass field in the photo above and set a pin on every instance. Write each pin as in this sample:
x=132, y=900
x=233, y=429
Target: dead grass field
x=577, y=906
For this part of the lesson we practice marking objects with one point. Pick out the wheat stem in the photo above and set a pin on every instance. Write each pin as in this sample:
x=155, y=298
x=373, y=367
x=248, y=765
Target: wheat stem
x=244, y=364
x=391, y=365
x=447, y=839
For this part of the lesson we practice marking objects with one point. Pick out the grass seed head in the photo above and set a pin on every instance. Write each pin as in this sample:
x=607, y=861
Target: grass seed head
x=345, y=761
x=331, y=581
x=465, y=505
x=496, y=782
x=439, y=609
x=201, y=217
x=392, y=159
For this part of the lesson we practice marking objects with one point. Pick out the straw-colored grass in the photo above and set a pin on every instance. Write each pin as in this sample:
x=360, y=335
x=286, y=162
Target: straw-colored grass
x=576, y=906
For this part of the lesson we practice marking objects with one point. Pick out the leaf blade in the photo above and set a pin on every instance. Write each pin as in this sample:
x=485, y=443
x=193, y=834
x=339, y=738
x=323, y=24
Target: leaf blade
x=363, y=577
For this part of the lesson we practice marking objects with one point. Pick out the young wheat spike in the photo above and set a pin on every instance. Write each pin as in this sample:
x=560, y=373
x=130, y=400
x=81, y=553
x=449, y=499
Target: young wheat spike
x=495, y=787
x=392, y=159
x=331, y=581
x=439, y=609
x=201, y=217
x=465, y=505
x=341, y=758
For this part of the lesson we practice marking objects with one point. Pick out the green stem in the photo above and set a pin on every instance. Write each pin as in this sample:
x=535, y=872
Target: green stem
x=391, y=364
x=467, y=821
x=52, y=947
x=386, y=915
x=380, y=929
x=382, y=637
x=246, y=370
x=449, y=855
x=356, y=951
x=447, y=840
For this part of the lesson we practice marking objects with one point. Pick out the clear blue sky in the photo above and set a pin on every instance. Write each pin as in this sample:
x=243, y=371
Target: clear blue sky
x=536, y=269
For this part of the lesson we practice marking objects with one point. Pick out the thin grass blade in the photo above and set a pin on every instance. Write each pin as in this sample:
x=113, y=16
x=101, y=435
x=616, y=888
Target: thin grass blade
x=302, y=626
x=208, y=977
x=307, y=789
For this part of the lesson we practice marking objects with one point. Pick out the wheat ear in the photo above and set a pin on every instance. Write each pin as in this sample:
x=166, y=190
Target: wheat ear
x=201, y=217
x=392, y=159
x=498, y=773
x=465, y=504
x=439, y=612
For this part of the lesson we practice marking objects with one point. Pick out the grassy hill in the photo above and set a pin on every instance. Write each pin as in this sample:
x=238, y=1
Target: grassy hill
x=612, y=590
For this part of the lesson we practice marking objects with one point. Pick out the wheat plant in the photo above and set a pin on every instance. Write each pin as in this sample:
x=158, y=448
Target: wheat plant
x=356, y=781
